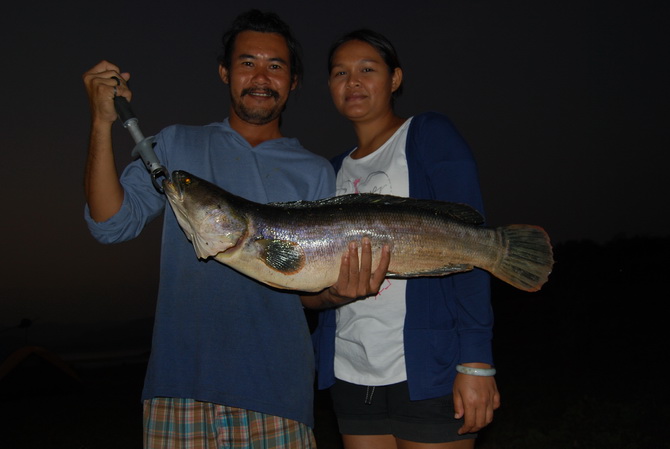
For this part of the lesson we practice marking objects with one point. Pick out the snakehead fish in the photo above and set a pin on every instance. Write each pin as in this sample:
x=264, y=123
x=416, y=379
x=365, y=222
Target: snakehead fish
x=298, y=245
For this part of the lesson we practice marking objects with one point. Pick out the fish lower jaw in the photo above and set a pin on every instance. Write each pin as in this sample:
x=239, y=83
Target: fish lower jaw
x=206, y=248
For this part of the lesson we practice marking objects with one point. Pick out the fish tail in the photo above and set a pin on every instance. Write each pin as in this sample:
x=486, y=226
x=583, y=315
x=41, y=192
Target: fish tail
x=527, y=257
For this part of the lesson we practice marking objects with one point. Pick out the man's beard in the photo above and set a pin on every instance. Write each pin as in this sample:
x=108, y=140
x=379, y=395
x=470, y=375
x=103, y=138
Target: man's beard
x=257, y=116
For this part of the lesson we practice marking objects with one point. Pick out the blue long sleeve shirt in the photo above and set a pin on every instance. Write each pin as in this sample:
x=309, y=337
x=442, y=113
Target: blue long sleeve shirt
x=220, y=336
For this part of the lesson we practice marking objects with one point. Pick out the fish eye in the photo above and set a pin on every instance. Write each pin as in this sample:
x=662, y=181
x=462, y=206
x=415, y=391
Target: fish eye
x=187, y=181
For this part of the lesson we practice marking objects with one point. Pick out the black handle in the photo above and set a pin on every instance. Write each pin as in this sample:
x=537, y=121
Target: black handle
x=123, y=109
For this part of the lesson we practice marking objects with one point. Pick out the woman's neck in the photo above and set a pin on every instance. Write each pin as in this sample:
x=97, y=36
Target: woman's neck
x=373, y=134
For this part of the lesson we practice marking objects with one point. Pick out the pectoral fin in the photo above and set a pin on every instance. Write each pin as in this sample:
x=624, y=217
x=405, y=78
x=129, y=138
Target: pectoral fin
x=282, y=255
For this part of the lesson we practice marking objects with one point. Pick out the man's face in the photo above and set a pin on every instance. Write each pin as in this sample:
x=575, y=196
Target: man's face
x=259, y=76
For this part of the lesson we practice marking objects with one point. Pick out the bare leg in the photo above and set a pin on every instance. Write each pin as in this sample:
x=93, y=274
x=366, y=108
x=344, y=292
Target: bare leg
x=369, y=442
x=390, y=442
x=460, y=444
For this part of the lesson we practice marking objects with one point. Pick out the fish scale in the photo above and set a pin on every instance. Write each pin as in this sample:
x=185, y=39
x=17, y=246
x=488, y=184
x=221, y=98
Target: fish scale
x=327, y=234
x=299, y=245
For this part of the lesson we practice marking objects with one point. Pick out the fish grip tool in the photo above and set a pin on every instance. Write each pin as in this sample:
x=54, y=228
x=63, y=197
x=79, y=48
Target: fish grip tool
x=144, y=146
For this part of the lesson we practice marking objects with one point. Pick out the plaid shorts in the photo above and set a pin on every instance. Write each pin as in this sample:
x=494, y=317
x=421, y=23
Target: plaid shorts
x=175, y=423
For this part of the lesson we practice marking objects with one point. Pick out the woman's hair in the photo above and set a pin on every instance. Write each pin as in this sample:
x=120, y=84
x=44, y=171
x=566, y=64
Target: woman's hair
x=378, y=41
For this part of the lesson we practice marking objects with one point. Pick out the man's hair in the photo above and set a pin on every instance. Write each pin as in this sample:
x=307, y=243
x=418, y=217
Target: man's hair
x=263, y=22
x=378, y=41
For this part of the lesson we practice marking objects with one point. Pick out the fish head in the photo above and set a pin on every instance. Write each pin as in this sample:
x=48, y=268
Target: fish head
x=205, y=213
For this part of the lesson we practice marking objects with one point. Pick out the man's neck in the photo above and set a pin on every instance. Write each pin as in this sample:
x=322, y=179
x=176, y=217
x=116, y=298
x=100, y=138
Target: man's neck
x=255, y=134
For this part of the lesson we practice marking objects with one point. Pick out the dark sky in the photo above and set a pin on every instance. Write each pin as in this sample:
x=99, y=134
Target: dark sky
x=565, y=105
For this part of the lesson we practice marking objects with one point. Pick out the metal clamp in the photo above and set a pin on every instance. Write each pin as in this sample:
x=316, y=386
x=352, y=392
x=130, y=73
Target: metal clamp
x=144, y=146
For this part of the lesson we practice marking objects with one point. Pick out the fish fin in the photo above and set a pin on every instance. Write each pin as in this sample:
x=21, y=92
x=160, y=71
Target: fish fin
x=282, y=255
x=448, y=269
x=454, y=211
x=528, y=258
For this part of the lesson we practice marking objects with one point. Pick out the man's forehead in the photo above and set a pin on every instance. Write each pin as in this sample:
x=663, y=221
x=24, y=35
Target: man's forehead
x=256, y=43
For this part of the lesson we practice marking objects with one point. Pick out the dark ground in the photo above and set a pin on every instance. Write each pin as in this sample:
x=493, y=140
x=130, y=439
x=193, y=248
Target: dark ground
x=580, y=365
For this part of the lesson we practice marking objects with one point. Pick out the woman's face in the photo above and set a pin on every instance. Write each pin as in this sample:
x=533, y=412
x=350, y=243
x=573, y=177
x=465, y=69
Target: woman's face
x=360, y=83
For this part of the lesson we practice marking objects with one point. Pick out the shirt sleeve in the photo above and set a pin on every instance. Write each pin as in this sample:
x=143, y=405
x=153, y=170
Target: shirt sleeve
x=452, y=176
x=141, y=204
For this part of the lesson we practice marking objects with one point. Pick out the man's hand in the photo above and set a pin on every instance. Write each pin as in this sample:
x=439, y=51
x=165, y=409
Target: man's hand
x=103, y=82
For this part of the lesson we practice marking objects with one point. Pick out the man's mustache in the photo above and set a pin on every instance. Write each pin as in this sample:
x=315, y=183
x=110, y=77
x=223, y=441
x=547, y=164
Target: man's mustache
x=273, y=93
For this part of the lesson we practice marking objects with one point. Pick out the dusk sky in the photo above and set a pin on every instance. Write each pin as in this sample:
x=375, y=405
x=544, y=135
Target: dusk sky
x=564, y=104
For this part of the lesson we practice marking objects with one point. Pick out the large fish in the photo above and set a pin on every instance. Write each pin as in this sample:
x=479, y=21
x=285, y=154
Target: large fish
x=299, y=245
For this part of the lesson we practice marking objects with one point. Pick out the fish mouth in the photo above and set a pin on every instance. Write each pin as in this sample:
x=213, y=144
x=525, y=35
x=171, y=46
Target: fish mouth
x=174, y=186
x=172, y=191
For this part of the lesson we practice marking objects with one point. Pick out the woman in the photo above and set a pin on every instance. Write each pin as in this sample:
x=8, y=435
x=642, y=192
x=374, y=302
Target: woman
x=412, y=365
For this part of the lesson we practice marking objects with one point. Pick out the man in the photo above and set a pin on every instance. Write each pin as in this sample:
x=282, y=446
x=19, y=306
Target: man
x=231, y=361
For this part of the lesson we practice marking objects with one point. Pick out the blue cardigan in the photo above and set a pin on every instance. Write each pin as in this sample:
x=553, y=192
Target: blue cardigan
x=449, y=320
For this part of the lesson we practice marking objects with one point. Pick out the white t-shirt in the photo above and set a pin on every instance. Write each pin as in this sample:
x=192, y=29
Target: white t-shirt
x=369, y=346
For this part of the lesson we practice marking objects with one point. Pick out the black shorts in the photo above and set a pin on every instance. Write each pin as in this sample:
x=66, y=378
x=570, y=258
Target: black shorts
x=387, y=410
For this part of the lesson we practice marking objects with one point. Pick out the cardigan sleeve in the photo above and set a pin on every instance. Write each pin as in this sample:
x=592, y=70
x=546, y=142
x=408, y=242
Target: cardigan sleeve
x=442, y=167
